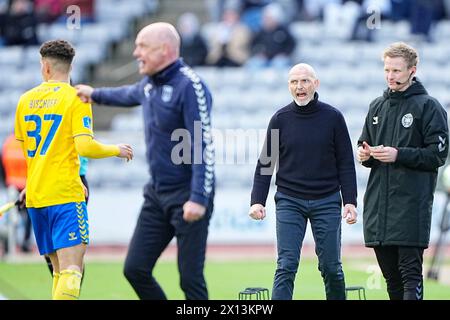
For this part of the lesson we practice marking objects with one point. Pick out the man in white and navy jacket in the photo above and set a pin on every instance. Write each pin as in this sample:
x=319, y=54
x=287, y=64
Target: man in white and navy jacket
x=179, y=197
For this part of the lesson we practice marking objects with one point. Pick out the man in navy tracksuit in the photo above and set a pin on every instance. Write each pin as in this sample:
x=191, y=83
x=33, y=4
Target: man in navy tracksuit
x=309, y=141
x=179, y=197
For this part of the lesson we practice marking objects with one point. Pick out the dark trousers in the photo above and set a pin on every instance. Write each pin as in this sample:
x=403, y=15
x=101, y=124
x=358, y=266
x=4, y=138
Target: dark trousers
x=25, y=246
x=292, y=215
x=161, y=219
x=402, y=269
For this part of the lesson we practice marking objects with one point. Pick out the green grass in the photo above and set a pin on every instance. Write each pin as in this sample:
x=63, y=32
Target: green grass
x=225, y=280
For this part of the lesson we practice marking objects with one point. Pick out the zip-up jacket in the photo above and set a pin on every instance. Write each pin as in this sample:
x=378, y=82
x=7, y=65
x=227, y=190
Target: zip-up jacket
x=399, y=196
x=175, y=98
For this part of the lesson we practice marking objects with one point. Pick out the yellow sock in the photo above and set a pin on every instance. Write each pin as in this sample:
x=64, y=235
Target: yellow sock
x=55, y=282
x=68, y=287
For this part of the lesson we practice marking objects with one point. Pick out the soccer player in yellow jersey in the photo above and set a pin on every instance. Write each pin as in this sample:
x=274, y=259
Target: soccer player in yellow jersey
x=55, y=126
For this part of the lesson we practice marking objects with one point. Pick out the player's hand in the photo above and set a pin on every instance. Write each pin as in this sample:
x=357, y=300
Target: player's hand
x=385, y=154
x=257, y=211
x=84, y=92
x=193, y=211
x=350, y=214
x=125, y=152
x=363, y=153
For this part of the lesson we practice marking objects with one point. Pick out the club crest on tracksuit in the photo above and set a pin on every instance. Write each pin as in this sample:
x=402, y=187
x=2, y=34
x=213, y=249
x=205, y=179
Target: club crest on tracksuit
x=166, y=94
x=147, y=89
x=87, y=122
x=407, y=120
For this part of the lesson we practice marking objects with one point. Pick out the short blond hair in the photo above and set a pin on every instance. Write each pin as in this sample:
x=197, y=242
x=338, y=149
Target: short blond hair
x=401, y=49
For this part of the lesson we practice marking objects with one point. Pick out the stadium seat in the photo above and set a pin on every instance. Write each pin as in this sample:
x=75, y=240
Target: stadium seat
x=13, y=55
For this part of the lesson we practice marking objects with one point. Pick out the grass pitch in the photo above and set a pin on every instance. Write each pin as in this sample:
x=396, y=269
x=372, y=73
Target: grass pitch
x=104, y=280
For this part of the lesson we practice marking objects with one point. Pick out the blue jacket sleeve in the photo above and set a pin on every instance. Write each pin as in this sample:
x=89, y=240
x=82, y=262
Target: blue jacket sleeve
x=197, y=105
x=124, y=96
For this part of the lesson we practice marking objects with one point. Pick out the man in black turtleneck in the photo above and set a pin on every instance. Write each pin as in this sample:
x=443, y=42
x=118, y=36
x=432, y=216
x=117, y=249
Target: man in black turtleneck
x=309, y=141
x=410, y=129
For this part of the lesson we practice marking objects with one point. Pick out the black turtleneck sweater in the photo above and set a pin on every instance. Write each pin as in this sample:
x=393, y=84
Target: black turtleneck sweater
x=315, y=154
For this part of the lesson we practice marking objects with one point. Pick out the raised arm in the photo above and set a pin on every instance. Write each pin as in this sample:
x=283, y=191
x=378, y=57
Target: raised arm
x=124, y=96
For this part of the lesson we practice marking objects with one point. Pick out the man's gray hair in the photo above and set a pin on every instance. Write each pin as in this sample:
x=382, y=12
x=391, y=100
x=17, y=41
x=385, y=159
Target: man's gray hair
x=305, y=66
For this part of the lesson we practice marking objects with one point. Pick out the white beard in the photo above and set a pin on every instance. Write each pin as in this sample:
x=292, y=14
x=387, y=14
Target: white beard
x=303, y=103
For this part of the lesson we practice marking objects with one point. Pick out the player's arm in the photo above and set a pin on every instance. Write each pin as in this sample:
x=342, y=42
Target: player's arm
x=85, y=144
x=88, y=147
x=123, y=96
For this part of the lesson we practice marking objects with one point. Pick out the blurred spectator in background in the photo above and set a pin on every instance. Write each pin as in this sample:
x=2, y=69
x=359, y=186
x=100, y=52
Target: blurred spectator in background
x=48, y=11
x=290, y=9
x=339, y=18
x=15, y=176
x=193, y=46
x=300, y=11
x=3, y=12
x=273, y=45
x=3, y=6
x=215, y=9
x=313, y=9
x=229, y=46
x=18, y=26
x=423, y=14
x=400, y=9
x=447, y=8
x=252, y=11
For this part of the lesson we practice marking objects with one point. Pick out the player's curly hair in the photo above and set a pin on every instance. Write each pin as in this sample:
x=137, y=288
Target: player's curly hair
x=60, y=50
x=401, y=49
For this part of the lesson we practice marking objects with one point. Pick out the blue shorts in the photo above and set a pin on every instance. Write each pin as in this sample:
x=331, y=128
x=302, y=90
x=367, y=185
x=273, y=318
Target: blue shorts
x=60, y=226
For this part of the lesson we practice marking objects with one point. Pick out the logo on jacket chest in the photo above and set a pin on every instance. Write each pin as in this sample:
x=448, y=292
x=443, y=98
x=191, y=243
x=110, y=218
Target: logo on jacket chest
x=147, y=89
x=375, y=120
x=407, y=120
x=166, y=94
